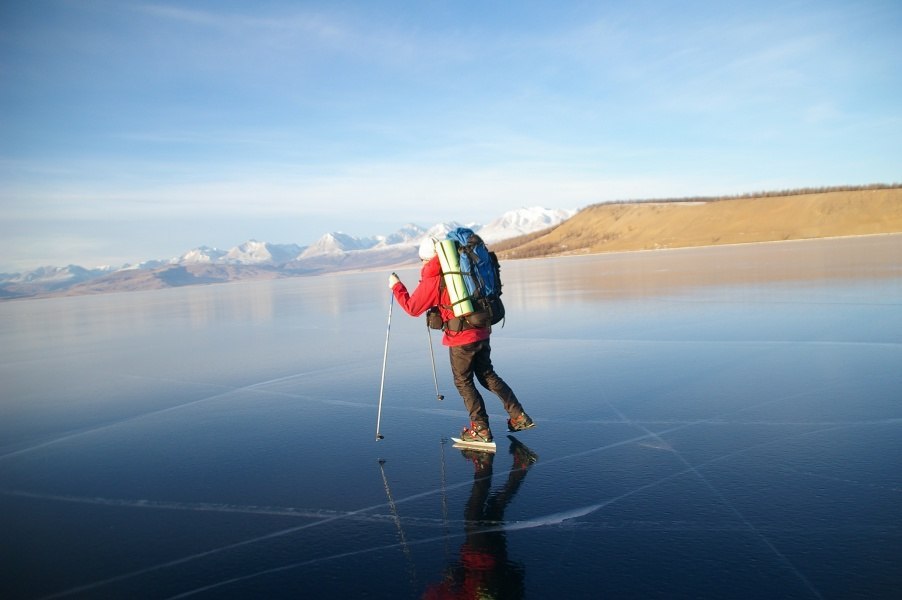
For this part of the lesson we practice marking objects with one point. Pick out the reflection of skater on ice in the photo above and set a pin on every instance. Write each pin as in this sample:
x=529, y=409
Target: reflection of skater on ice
x=482, y=568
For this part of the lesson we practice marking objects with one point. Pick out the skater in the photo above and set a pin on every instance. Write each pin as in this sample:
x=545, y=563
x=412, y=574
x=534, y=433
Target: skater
x=469, y=350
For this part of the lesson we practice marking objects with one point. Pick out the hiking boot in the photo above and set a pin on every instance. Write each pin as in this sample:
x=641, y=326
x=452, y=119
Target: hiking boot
x=520, y=423
x=476, y=432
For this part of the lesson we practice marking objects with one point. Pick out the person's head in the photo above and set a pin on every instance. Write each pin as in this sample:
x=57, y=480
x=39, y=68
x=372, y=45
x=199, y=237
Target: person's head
x=427, y=249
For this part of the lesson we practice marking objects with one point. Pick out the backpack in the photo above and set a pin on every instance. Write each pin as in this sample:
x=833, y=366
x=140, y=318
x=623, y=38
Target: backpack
x=481, y=273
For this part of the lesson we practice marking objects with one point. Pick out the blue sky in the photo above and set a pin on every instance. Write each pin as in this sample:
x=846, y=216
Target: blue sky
x=138, y=130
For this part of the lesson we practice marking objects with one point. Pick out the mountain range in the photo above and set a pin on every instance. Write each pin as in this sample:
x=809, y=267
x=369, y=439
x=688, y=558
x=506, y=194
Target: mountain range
x=334, y=251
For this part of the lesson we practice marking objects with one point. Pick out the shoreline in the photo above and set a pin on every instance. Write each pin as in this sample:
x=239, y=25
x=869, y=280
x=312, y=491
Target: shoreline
x=707, y=246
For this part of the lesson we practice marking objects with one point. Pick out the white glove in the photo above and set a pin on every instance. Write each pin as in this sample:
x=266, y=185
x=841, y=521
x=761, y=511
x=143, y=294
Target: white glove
x=392, y=281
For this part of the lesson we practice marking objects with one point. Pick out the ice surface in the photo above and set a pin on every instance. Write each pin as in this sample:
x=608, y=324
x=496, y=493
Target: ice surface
x=712, y=423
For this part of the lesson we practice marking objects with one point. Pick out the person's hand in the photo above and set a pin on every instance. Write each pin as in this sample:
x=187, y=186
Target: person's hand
x=393, y=281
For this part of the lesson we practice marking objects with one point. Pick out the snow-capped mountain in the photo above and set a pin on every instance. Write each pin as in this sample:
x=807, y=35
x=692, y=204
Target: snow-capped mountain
x=440, y=230
x=55, y=275
x=46, y=280
x=409, y=233
x=523, y=221
x=200, y=256
x=334, y=251
x=253, y=252
x=336, y=243
x=146, y=265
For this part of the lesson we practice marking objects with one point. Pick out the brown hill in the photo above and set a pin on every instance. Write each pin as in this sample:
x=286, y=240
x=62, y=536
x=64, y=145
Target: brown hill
x=648, y=225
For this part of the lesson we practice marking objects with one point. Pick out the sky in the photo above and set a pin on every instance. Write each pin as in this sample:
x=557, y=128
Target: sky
x=140, y=130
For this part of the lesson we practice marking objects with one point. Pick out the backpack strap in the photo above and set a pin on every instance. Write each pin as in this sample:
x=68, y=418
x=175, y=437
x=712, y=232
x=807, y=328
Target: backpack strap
x=455, y=324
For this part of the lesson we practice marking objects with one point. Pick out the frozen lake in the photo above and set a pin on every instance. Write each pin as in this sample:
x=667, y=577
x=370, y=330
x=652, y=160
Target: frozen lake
x=712, y=423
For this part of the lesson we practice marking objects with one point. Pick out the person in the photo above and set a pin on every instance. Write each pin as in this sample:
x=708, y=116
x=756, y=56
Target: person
x=469, y=349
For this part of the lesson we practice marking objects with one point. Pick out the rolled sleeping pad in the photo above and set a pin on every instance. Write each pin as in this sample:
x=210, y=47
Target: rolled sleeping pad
x=454, y=281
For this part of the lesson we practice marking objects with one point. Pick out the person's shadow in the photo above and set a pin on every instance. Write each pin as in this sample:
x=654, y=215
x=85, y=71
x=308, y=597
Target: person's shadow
x=482, y=568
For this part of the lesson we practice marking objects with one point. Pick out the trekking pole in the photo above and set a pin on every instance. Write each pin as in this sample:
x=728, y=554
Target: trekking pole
x=432, y=355
x=391, y=303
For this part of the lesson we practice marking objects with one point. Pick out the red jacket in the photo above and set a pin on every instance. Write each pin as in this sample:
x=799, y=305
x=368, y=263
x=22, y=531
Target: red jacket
x=427, y=295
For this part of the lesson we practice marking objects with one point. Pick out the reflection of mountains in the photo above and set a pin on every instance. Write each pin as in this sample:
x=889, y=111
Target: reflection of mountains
x=309, y=298
x=482, y=567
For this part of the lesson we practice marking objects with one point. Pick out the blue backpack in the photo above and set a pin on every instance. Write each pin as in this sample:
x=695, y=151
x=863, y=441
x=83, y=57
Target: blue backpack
x=482, y=277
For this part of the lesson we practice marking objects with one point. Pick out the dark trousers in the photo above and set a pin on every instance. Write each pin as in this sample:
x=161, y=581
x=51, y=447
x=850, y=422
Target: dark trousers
x=475, y=360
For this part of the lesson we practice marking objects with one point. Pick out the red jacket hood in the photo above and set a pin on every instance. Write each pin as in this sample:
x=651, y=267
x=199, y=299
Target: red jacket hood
x=432, y=268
